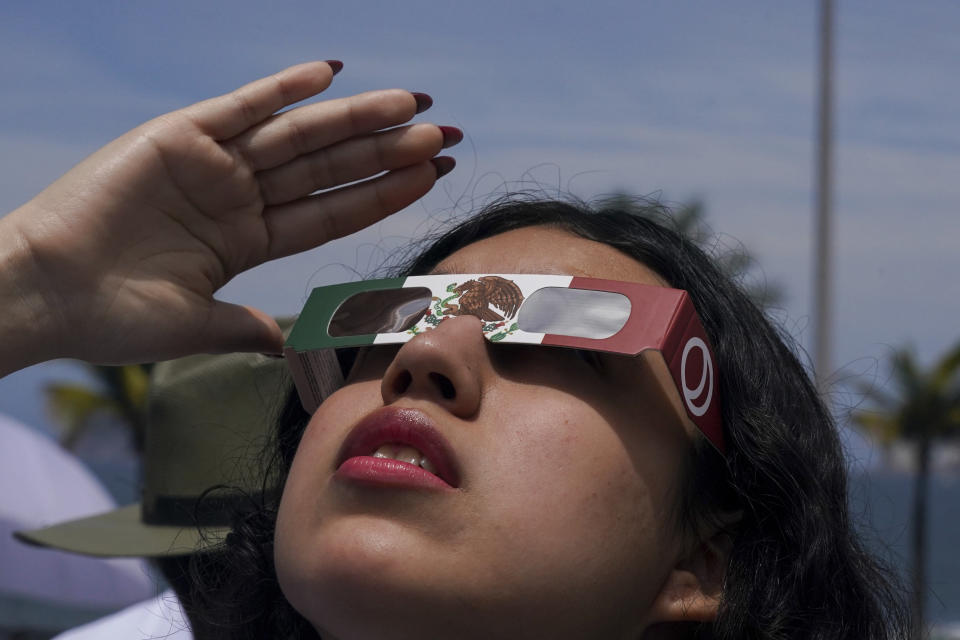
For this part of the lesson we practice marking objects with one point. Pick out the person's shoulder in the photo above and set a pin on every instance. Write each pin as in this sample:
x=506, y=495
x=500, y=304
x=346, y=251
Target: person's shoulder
x=159, y=617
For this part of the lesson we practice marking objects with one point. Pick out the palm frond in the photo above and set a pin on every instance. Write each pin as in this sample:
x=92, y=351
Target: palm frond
x=918, y=404
x=906, y=374
x=946, y=370
x=881, y=427
x=119, y=392
x=73, y=407
x=879, y=397
x=690, y=221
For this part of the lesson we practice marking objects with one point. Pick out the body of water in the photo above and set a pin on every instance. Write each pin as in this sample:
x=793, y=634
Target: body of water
x=883, y=501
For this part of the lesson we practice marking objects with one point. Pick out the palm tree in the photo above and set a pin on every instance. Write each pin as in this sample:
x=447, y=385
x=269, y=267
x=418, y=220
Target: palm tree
x=121, y=394
x=922, y=406
x=690, y=220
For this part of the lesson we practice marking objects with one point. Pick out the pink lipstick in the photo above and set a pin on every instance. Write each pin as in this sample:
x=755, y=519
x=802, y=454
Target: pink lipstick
x=400, y=429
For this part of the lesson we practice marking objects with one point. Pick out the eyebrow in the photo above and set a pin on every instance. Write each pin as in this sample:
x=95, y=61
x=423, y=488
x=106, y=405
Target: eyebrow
x=442, y=272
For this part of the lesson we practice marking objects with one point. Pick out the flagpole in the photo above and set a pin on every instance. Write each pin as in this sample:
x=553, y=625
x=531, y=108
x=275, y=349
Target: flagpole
x=822, y=284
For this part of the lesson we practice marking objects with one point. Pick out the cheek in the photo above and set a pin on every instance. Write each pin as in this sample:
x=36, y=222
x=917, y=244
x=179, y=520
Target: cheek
x=565, y=492
x=304, y=493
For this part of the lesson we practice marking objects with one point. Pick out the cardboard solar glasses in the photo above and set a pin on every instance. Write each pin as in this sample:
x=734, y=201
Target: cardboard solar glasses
x=658, y=324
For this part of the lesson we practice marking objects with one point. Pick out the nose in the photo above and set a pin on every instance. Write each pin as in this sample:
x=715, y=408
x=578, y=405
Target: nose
x=444, y=365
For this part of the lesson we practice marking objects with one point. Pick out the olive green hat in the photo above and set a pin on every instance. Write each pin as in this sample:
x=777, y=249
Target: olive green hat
x=208, y=420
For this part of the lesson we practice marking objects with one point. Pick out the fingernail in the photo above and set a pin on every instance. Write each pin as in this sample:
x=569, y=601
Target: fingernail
x=451, y=136
x=424, y=101
x=335, y=66
x=443, y=165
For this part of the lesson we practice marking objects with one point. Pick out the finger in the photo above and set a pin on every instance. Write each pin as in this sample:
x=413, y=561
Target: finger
x=234, y=327
x=312, y=221
x=309, y=128
x=355, y=159
x=230, y=114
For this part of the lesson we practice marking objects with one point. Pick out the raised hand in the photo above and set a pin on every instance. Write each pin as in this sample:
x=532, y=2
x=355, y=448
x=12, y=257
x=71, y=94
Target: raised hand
x=118, y=260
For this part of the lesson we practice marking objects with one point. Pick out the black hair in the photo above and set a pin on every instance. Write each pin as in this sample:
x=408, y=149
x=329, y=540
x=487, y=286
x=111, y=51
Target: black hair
x=797, y=568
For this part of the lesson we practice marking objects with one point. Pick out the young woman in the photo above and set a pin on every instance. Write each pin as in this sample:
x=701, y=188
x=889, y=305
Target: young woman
x=569, y=497
x=582, y=506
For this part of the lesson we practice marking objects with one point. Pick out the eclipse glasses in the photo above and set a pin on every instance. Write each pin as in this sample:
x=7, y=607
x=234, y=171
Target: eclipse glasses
x=658, y=324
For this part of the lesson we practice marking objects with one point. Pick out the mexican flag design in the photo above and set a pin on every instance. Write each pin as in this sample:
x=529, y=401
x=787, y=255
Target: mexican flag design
x=493, y=298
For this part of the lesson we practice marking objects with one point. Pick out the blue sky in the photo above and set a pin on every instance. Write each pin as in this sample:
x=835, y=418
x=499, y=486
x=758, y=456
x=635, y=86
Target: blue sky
x=680, y=99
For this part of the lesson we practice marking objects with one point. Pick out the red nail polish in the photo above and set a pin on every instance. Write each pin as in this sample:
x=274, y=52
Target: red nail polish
x=335, y=66
x=451, y=136
x=443, y=165
x=424, y=101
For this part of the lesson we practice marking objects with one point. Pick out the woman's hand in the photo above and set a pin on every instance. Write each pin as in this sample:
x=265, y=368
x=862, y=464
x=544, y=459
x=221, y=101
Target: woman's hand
x=118, y=260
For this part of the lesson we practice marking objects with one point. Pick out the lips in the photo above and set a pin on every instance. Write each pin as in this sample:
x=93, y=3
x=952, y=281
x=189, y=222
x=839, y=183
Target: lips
x=406, y=427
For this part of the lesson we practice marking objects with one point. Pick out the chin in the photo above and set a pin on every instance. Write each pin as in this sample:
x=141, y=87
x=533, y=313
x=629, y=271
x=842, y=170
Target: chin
x=366, y=578
x=367, y=588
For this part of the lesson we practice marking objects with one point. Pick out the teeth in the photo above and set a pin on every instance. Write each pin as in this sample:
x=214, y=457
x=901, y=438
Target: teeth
x=385, y=451
x=428, y=466
x=405, y=453
x=408, y=454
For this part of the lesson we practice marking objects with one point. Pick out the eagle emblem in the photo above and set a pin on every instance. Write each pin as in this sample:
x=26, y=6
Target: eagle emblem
x=479, y=297
x=492, y=299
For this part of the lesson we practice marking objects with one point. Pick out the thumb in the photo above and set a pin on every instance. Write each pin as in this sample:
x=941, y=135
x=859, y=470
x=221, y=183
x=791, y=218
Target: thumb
x=235, y=327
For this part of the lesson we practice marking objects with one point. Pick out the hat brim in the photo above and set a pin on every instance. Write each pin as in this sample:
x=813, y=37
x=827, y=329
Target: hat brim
x=122, y=533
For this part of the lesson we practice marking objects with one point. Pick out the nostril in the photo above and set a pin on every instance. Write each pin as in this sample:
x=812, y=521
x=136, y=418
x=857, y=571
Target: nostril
x=447, y=390
x=402, y=382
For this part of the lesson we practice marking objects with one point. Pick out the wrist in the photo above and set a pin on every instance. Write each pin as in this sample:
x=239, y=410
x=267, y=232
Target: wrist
x=27, y=321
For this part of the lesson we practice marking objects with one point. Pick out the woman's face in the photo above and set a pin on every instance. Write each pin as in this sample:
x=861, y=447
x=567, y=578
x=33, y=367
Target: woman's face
x=558, y=515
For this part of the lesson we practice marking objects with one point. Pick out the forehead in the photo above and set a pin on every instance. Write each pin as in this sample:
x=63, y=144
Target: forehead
x=547, y=250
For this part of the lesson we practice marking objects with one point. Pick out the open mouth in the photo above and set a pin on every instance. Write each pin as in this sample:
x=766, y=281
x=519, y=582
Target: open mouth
x=405, y=453
x=393, y=446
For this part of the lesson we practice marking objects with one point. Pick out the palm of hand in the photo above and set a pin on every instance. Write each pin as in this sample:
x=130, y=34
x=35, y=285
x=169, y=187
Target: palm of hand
x=187, y=218
x=191, y=213
x=137, y=238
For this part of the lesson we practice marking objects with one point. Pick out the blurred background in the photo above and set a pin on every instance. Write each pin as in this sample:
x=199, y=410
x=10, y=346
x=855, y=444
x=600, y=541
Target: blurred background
x=710, y=107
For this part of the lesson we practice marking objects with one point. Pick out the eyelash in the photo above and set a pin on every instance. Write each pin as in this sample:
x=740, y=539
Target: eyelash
x=592, y=358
